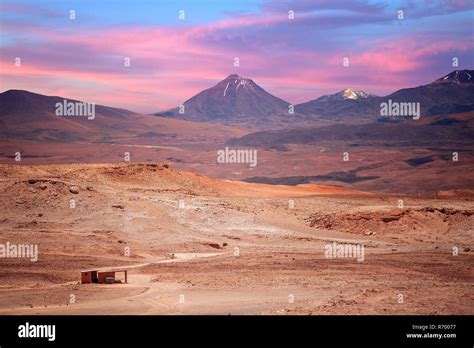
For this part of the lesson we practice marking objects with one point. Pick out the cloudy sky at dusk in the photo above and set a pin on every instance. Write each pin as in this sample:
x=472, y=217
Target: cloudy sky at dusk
x=173, y=59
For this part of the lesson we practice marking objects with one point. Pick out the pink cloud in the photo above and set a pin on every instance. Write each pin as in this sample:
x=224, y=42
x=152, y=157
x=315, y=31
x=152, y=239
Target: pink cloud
x=171, y=64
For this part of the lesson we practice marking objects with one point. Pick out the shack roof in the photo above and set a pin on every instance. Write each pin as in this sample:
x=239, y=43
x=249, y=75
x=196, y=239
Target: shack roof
x=112, y=270
x=104, y=270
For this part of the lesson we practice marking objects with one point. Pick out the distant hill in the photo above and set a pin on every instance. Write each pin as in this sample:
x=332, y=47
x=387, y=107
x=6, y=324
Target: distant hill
x=452, y=93
x=30, y=116
x=358, y=105
x=239, y=101
x=428, y=131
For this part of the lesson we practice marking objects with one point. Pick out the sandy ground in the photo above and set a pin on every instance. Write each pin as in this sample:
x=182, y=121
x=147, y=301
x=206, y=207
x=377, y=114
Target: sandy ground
x=238, y=248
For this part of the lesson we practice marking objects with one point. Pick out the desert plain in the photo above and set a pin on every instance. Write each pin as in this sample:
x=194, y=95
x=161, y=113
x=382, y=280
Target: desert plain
x=199, y=245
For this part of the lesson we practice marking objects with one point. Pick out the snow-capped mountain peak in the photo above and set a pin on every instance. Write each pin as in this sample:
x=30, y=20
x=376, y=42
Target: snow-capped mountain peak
x=350, y=93
x=458, y=77
x=347, y=93
x=234, y=82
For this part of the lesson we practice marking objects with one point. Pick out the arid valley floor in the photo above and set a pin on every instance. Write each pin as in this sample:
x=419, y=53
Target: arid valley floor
x=239, y=248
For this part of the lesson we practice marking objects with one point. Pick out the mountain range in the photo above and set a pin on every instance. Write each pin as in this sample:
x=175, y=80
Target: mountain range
x=292, y=148
x=240, y=101
x=447, y=101
x=31, y=116
x=233, y=101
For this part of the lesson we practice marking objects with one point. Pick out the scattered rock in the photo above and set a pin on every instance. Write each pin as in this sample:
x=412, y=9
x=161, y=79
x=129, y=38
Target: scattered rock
x=40, y=214
x=390, y=218
x=32, y=181
x=43, y=186
x=119, y=206
x=214, y=245
x=74, y=189
x=32, y=189
x=19, y=201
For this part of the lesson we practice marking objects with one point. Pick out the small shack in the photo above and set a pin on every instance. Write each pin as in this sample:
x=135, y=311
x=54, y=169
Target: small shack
x=102, y=277
x=89, y=276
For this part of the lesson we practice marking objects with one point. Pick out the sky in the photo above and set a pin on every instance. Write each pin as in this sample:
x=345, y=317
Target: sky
x=171, y=58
